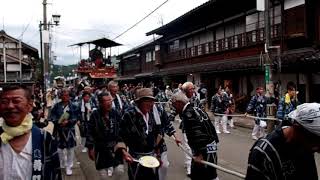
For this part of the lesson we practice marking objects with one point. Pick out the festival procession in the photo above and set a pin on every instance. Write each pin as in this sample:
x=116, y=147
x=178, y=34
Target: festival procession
x=168, y=90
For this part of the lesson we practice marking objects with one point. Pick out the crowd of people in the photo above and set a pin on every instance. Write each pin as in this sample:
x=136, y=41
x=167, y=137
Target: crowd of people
x=119, y=126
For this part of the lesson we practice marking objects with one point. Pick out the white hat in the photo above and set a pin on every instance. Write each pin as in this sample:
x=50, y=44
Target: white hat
x=308, y=116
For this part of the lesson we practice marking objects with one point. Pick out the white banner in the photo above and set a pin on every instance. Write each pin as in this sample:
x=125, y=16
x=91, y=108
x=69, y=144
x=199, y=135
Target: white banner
x=260, y=5
x=45, y=36
x=13, y=67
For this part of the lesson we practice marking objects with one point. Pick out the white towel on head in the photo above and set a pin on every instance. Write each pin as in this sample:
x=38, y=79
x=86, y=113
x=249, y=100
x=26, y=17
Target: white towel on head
x=308, y=116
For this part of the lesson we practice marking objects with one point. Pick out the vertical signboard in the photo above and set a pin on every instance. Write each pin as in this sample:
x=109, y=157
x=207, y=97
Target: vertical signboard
x=260, y=5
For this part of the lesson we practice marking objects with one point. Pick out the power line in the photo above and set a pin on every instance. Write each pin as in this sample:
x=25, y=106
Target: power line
x=25, y=29
x=31, y=37
x=141, y=20
x=3, y=23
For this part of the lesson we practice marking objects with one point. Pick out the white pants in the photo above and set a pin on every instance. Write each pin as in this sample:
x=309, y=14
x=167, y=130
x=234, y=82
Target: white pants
x=103, y=173
x=163, y=170
x=221, y=120
x=188, y=159
x=231, y=124
x=66, y=157
x=258, y=130
x=83, y=141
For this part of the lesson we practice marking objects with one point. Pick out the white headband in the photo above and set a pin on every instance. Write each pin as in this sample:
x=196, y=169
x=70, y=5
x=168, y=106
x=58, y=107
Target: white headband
x=308, y=116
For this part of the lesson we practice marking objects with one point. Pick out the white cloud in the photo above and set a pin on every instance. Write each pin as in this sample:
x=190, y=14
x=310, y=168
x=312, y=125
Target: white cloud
x=82, y=20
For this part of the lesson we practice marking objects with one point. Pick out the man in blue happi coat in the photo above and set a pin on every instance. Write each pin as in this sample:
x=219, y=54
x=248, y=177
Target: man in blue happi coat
x=287, y=104
x=140, y=135
x=26, y=152
x=64, y=117
x=258, y=106
x=102, y=136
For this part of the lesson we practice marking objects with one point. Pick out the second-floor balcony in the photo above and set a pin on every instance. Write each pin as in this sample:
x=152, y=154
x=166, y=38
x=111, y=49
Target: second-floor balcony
x=229, y=43
x=15, y=77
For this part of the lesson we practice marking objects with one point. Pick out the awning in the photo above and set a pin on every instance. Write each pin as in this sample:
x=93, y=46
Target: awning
x=141, y=75
x=243, y=64
x=99, y=75
x=125, y=78
x=305, y=57
x=102, y=42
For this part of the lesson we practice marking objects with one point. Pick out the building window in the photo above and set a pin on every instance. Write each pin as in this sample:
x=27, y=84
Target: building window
x=150, y=56
x=217, y=46
x=255, y=22
x=199, y=49
x=174, y=46
x=220, y=45
x=193, y=52
x=207, y=48
x=252, y=22
x=226, y=44
x=235, y=43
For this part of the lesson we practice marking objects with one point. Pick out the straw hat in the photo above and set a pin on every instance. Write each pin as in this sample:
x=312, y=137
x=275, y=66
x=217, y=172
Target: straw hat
x=144, y=93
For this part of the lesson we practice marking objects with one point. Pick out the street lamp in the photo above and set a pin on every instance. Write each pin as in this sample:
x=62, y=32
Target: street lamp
x=45, y=42
x=56, y=18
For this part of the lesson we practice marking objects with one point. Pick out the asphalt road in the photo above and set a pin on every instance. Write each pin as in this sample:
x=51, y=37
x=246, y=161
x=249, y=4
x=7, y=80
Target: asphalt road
x=233, y=151
x=232, y=154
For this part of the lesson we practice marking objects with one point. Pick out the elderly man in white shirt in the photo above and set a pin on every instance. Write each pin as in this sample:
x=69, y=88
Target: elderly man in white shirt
x=26, y=152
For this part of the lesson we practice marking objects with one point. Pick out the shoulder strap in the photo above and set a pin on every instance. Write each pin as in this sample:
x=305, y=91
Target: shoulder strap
x=142, y=135
x=156, y=115
x=38, y=152
x=1, y=131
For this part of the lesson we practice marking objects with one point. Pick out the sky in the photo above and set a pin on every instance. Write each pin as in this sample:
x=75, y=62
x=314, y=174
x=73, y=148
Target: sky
x=83, y=20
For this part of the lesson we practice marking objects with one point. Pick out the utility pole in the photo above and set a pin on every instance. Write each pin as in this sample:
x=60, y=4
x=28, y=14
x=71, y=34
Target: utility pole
x=271, y=108
x=46, y=48
x=41, y=50
x=20, y=61
x=4, y=60
x=45, y=39
x=268, y=62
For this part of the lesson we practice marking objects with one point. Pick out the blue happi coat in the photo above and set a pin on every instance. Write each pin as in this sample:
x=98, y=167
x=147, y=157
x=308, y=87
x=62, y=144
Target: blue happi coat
x=141, y=139
x=103, y=134
x=65, y=135
x=84, y=117
x=45, y=159
x=285, y=108
x=166, y=126
x=258, y=106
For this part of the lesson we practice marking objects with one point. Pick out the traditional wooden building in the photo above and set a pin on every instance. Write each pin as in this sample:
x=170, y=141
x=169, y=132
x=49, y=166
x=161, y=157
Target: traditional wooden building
x=11, y=56
x=140, y=64
x=220, y=43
